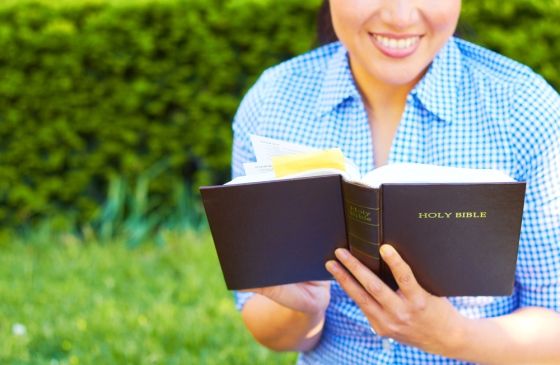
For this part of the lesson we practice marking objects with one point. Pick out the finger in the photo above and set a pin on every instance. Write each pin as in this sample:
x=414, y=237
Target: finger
x=354, y=290
x=401, y=271
x=318, y=282
x=386, y=297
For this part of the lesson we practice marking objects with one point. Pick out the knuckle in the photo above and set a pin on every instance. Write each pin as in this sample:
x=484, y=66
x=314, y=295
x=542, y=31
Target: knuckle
x=404, y=275
x=354, y=264
x=374, y=287
x=420, y=304
x=404, y=278
x=403, y=317
x=363, y=299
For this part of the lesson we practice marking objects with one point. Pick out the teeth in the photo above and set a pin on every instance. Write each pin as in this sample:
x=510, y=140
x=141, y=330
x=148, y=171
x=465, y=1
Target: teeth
x=393, y=43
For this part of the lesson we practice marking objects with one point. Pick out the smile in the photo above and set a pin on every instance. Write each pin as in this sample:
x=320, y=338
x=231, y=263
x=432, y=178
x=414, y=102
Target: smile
x=397, y=47
x=402, y=43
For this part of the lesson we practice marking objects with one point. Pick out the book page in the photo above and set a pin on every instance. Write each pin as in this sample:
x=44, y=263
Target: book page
x=266, y=148
x=296, y=161
x=423, y=173
x=272, y=177
x=256, y=168
x=292, y=164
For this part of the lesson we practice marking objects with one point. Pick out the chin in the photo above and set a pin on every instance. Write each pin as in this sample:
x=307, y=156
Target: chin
x=392, y=73
x=401, y=78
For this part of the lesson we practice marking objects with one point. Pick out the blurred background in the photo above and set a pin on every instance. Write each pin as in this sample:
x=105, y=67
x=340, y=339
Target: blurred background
x=112, y=114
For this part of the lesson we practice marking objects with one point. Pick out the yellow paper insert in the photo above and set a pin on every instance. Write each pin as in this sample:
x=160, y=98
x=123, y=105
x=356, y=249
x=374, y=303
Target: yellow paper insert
x=301, y=162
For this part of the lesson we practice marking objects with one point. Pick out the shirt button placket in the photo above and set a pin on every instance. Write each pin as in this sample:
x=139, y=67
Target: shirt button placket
x=387, y=344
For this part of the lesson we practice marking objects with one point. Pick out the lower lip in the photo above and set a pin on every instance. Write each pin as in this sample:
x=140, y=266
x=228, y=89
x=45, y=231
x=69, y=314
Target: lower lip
x=392, y=52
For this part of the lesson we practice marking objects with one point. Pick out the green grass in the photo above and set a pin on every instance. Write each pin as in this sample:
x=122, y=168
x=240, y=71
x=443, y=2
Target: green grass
x=89, y=303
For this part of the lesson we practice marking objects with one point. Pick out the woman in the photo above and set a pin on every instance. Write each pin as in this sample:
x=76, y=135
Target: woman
x=398, y=87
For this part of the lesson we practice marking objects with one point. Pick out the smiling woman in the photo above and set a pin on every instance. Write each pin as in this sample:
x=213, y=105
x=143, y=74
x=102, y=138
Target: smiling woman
x=390, y=45
x=396, y=86
x=393, y=42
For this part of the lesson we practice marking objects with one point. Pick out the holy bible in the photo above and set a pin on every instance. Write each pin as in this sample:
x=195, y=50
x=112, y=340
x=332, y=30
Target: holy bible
x=460, y=238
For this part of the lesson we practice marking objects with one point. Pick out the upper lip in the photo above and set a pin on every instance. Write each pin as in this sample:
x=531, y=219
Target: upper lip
x=396, y=36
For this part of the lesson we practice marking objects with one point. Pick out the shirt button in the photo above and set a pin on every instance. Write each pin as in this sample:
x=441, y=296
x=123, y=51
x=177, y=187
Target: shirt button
x=387, y=344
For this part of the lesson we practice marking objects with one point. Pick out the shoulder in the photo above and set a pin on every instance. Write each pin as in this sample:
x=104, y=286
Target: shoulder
x=514, y=92
x=495, y=67
x=503, y=77
x=291, y=86
x=306, y=70
x=313, y=61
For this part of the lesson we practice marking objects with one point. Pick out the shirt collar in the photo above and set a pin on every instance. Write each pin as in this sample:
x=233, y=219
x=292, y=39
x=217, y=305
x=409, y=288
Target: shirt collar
x=338, y=83
x=437, y=90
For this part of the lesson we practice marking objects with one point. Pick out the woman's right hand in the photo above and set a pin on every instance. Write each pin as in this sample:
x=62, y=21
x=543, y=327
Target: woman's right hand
x=310, y=297
x=288, y=317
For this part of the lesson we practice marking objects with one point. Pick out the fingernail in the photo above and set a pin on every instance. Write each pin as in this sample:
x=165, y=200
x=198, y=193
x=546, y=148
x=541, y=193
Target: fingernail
x=387, y=250
x=341, y=253
x=331, y=266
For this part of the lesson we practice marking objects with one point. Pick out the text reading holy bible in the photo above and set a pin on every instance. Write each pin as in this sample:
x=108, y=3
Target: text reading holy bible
x=450, y=215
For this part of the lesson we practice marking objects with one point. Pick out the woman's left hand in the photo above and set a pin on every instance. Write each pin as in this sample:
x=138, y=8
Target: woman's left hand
x=410, y=315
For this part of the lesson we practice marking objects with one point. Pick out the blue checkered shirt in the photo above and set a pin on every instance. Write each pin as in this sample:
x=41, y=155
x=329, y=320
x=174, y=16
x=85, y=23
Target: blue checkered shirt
x=473, y=108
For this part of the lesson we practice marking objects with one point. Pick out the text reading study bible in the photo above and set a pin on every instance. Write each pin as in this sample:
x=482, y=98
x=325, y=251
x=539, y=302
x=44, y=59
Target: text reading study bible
x=459, y=238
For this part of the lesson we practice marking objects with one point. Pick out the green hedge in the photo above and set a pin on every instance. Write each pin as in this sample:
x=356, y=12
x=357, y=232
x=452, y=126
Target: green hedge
x=525, y=30
x=92, y=89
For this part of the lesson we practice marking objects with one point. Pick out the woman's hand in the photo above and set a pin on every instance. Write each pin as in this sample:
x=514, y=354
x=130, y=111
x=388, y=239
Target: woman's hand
x=411, y=315
x=288, y=317
x=310, y=297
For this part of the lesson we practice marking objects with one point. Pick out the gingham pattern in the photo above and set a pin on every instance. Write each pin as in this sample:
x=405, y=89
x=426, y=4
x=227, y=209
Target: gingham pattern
x=473, y=108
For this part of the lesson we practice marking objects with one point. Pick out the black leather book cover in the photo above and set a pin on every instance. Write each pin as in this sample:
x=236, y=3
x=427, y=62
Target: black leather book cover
x=276, y=232
x=459, y=239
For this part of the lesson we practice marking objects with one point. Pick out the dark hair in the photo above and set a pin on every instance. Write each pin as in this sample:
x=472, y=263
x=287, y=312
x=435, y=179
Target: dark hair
x=325, y=30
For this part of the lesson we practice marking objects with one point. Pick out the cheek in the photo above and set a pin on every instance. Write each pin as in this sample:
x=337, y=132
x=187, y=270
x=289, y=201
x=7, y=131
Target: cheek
x=347, y=16
x=445, y=18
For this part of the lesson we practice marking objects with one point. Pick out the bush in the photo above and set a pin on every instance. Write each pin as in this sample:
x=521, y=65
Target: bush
x=525, y=30
x=94, y=89
x=97, y=89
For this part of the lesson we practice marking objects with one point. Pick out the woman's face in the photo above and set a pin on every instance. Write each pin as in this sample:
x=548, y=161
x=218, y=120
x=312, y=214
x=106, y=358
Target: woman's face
x=393, y=41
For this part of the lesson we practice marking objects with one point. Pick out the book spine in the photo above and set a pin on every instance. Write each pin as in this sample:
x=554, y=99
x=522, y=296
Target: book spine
x=362, y=215
x=384, y=271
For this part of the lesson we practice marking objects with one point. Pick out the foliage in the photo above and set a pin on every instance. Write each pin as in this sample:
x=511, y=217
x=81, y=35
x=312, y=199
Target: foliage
x=525, y=30
x=134, y=217
x=98, y=90
x=70, y=302
x=93, y=89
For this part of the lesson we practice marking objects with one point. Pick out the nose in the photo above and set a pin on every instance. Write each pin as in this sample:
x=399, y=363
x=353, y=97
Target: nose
x=399, y=14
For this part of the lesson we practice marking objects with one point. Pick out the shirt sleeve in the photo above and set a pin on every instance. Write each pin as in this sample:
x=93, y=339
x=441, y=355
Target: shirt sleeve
x=538, y=145
x=244, y=124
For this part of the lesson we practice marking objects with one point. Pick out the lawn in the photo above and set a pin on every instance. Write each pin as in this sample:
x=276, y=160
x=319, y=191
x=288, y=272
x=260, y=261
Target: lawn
x=63, y=301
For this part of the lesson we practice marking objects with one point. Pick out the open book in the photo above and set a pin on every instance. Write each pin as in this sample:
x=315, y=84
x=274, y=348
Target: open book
x=457, y=228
